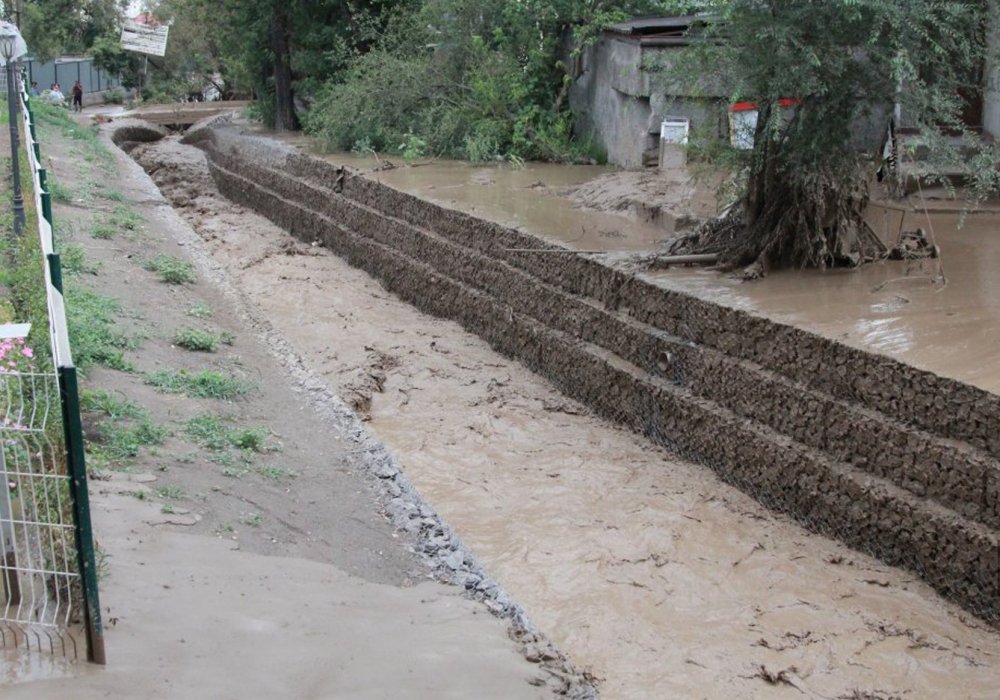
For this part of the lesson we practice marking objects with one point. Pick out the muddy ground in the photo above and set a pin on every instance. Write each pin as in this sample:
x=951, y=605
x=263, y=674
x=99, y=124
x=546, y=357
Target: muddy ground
x=650, y=573
x=264, y=572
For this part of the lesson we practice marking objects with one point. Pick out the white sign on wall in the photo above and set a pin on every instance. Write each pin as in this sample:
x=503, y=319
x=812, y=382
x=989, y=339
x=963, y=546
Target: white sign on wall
x=144, y=38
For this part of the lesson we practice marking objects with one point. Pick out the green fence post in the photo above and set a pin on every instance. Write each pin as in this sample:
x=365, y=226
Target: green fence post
x=55, y=271
x=47, y=207
x=43, y=179
x=38, y=152
x=69, y=394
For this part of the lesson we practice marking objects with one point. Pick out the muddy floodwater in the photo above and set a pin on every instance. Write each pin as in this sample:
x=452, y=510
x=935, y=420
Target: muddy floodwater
x=644, y=568
x=533, y=197
x=940, y=315
x=947, y=324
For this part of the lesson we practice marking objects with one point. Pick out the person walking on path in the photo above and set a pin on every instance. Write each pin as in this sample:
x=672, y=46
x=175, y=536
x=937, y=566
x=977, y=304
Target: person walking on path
x=77, y=97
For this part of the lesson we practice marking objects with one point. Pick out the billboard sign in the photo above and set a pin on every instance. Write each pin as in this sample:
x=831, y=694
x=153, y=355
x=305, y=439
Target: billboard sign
x=144, y=38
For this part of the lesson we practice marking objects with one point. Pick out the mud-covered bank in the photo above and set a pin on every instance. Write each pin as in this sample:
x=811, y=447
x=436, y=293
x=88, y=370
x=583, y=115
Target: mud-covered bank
x=643, y=567
x=893, y=460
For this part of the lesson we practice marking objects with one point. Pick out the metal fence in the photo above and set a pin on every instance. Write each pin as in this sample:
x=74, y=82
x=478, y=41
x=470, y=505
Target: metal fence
x=67, y=70
x=49, y=570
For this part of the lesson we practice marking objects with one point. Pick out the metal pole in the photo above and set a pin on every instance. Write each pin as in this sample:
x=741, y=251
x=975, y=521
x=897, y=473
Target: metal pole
x=8, y=553
x=69, y=393
x=15, y=161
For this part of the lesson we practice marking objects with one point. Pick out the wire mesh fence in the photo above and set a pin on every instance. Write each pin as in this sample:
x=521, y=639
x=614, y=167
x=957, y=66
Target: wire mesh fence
x=40, y=570
x=48, y=565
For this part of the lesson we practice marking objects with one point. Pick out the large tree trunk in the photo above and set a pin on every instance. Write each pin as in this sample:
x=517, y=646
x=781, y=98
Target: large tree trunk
x=789, y=216
x=285, y=118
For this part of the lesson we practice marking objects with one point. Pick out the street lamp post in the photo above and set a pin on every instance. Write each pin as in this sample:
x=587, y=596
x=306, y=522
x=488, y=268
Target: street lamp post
x=8, y=46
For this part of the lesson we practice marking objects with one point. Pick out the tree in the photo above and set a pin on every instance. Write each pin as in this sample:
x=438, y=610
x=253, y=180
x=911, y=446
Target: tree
x=481, y=80
x=841, y=67
x=276, y=46
x=55, y=27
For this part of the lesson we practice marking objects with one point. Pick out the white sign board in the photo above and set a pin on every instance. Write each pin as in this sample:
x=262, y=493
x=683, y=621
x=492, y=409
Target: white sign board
x=144, y=38
x=675, y=130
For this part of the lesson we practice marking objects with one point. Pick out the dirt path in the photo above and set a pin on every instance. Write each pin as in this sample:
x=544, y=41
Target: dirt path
x=648, y=571
x=245, y=551
x=196, y=617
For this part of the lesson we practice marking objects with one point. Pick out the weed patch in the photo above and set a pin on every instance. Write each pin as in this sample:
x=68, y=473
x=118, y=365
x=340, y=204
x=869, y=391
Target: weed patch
x=207, y=384
x=200, y=310
x=273, y=473
x=111, y=196
x=103, y=230
x=252, y=519
x=170, y=269
x=119, y=442
x=111, y=405
x=94, y=337
x=74, y=261
x=196, y=340
x=169, y=492
x=58, y=191
x=214, y=432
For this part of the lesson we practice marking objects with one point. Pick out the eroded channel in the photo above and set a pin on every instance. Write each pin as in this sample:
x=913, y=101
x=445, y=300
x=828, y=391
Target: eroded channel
x=645, y=569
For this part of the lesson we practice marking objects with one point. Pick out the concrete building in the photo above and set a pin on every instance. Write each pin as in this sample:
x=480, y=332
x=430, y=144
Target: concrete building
x=618, y=97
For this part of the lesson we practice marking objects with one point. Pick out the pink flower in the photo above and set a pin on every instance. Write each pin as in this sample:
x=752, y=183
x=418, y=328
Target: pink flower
x=28, y=352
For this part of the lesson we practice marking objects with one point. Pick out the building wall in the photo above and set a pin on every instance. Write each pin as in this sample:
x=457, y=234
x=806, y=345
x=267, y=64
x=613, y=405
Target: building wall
x=991, y=101
x=617, y=102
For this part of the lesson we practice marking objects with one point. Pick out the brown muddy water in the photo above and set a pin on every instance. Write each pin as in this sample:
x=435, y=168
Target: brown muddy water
x=949, y=325
x=644, y=568
x=533, y=197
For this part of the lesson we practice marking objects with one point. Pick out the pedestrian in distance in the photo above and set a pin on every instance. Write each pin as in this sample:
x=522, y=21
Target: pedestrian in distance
x=77, y=97
x=55, y=96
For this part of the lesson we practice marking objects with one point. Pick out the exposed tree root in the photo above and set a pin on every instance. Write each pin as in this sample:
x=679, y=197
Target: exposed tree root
x=791, y=222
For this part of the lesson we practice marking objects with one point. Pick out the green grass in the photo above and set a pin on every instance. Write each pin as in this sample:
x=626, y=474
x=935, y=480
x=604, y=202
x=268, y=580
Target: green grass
x=103, y=230
x=58, y=191
x=248, y=439
x=252, y=519
x=170, y=492
x=110, y=195
x=207, y=384
x=200, y=310
x=122, y=220
x=125, y=218
x=273, y=473
x=170, y=269
x=119, y=442
x=208, y=431
x=74, y=261
x=111, y=405
x=94, y=336
x=196, y=340
x=214, y=432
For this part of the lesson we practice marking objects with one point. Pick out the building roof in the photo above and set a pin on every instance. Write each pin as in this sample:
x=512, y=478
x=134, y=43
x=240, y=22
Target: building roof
x=659, y=31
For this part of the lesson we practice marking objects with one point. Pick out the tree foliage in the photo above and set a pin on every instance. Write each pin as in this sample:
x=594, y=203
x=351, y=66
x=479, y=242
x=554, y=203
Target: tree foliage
x=55, y=27
x=847, y=64
x=479, y=80
x=276, y=48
